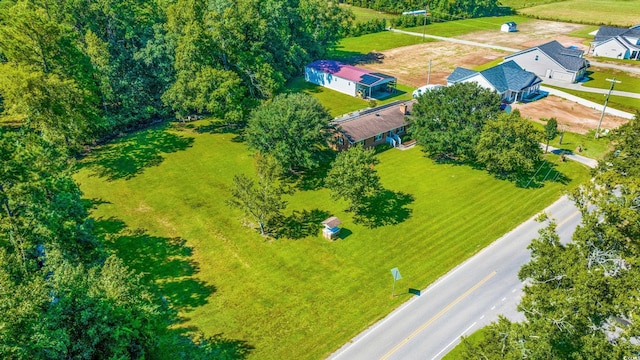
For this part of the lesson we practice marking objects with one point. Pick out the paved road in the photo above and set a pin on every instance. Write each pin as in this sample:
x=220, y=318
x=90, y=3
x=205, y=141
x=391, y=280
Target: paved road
x=579, y=87
x=587, y=103
x=467, y=298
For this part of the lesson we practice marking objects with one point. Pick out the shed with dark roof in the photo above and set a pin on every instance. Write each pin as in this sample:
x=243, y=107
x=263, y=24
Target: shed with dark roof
x=349, y=79
x=552, y=61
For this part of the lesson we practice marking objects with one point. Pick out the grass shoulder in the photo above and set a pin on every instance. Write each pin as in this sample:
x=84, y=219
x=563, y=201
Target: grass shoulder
x=623, y=103
x=588, y=144
x=361, y=45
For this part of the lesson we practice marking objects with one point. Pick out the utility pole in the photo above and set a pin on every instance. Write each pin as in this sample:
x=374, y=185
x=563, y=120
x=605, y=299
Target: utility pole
x=429, y=73
x=613, y=81
x=424, y=28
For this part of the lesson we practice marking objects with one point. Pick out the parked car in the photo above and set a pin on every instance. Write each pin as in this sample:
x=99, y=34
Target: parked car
x=423, y=89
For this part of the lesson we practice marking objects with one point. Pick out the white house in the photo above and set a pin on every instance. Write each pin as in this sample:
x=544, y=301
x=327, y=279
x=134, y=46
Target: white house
x=617, y=43
x=507, y=79
x=349, y=79
x=509, y=27
x=552, y=61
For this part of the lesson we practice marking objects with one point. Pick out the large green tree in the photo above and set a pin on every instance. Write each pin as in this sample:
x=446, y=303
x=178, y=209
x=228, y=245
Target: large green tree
x=550, y=131
x=293, y=128
x=582, y=300
x=353, y=176
x=509, y=146
x=447, y=122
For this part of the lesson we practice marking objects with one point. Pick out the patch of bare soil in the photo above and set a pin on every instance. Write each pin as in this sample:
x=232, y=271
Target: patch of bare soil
x=529, y=34
x=573, y=116
x=410, y=64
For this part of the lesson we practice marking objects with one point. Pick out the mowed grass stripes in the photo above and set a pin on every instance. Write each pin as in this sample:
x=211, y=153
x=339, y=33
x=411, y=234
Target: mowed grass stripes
x=165, y=214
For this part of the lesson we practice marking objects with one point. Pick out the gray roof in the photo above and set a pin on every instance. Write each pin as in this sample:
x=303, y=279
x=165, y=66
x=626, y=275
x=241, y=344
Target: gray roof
x=510, y=76
x=373, y=122
x=569, y=59
x=460, y=74
x=503, y=77
x=608, y=32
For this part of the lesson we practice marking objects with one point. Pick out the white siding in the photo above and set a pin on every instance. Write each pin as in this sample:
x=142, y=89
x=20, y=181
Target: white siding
x=329, y=81
x=540, y=64
x=611, y=49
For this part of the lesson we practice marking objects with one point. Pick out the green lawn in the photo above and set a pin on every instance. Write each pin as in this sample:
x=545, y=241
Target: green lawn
x=159, y=200
x=598, y=79
x=488, y=65
x=354, y=46
x=338, y=103
x=591, y=147
x=608, y=12
x=456, y=352
x=364, y=14
x=616, y=102
x=462, y=27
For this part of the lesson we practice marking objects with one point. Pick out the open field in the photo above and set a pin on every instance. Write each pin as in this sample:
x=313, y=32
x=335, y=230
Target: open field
x=364, y=14
x=598, y=79
x=463, y=27
x=355, y=46
x=606, y=12
x=575, y=117
x=159, y=200
x=590, y=146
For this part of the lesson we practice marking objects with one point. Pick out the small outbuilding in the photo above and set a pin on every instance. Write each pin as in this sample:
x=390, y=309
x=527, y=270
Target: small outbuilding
x=349, y=79
x=509, y=27
x=331, y=229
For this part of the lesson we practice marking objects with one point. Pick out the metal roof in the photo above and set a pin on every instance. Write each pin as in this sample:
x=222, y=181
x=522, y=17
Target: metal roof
x=350, y=72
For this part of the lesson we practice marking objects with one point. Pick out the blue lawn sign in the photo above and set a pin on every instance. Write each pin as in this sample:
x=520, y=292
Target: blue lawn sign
x=396, y=276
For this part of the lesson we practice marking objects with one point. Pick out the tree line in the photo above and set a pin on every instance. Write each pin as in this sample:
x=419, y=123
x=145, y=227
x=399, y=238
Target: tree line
x=440, y=9
x=77, y=70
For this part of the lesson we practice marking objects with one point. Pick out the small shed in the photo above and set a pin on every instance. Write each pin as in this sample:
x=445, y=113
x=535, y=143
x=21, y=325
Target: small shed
x=331, y=229
x=509, y=27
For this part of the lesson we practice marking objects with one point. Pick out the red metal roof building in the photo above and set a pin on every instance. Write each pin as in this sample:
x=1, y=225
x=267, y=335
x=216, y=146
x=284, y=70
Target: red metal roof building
x=349, y=79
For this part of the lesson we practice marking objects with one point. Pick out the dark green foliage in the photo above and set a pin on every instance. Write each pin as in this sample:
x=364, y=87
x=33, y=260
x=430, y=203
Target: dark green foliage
x=294, y=129
x=550, y=131
x=407, y=21
x=353, y=177
x=447, y=122
x=581, y=301
x=367, y=27
x=509, y=146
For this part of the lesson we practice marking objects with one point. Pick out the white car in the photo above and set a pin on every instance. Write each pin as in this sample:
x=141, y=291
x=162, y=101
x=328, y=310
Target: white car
x=423, y=89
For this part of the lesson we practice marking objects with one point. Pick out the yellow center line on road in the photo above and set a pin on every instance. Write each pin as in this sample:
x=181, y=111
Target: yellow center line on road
x=569, y=218
x=436, y=316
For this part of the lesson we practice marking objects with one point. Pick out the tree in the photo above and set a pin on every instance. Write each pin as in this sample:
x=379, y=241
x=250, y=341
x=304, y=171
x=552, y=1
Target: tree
x=293, y=129
x=262, y=201
x=448, y=121
x=582, y=299
x=550, y=130
x=353, y=177
x=508, y=146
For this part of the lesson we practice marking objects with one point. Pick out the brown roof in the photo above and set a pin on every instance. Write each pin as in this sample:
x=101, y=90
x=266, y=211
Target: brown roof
x=369, y=123
x=331, y=222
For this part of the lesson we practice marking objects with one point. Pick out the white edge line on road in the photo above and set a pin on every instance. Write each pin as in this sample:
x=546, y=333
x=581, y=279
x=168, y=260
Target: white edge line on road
x=497, y=242
x=454, y=340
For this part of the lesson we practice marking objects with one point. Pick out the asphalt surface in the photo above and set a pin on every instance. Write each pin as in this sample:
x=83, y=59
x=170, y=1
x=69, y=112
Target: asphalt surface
x=466, y=299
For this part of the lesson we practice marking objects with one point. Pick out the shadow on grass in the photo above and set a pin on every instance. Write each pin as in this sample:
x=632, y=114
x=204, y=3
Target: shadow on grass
x=314, y=179
x=302, y=224
x=129, y=156
x=386, y=208
x=165, y=263
x=191, y=343
x=216, y=127
x=545, y=171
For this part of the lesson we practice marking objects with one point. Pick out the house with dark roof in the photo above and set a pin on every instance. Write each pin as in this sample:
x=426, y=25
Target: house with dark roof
x=617, y=43
x=349, y=79
x=552, y=61
x=372, y=127
x=507, y=79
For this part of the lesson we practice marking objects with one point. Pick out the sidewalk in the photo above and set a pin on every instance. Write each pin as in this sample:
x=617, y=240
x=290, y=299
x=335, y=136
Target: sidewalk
x=591, y=104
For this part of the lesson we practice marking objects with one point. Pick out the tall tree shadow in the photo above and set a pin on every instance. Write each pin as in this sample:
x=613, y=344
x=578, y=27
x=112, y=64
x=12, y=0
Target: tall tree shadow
x=129, y=156
x=190, y=343
x=546, y=171
x=314, y=179
x=165, y=263
x=302, y=224
x=386, y=208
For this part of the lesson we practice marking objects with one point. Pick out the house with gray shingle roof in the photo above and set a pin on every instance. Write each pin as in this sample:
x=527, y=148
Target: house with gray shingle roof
x=618, y=43
x=552, y=61
x=507, y=79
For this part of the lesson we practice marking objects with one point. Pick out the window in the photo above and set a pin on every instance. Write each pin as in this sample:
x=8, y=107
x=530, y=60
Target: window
x=536, y=57
x=378, y=137
x=400, y=130
x=340, y=140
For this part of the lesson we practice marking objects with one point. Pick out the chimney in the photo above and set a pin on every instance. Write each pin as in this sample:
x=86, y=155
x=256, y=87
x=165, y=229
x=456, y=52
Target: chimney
x=403, y=109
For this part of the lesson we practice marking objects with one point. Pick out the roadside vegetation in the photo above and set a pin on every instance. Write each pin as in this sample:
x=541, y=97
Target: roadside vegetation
x=598, y=79
x=630, y=105
x=590, y=146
